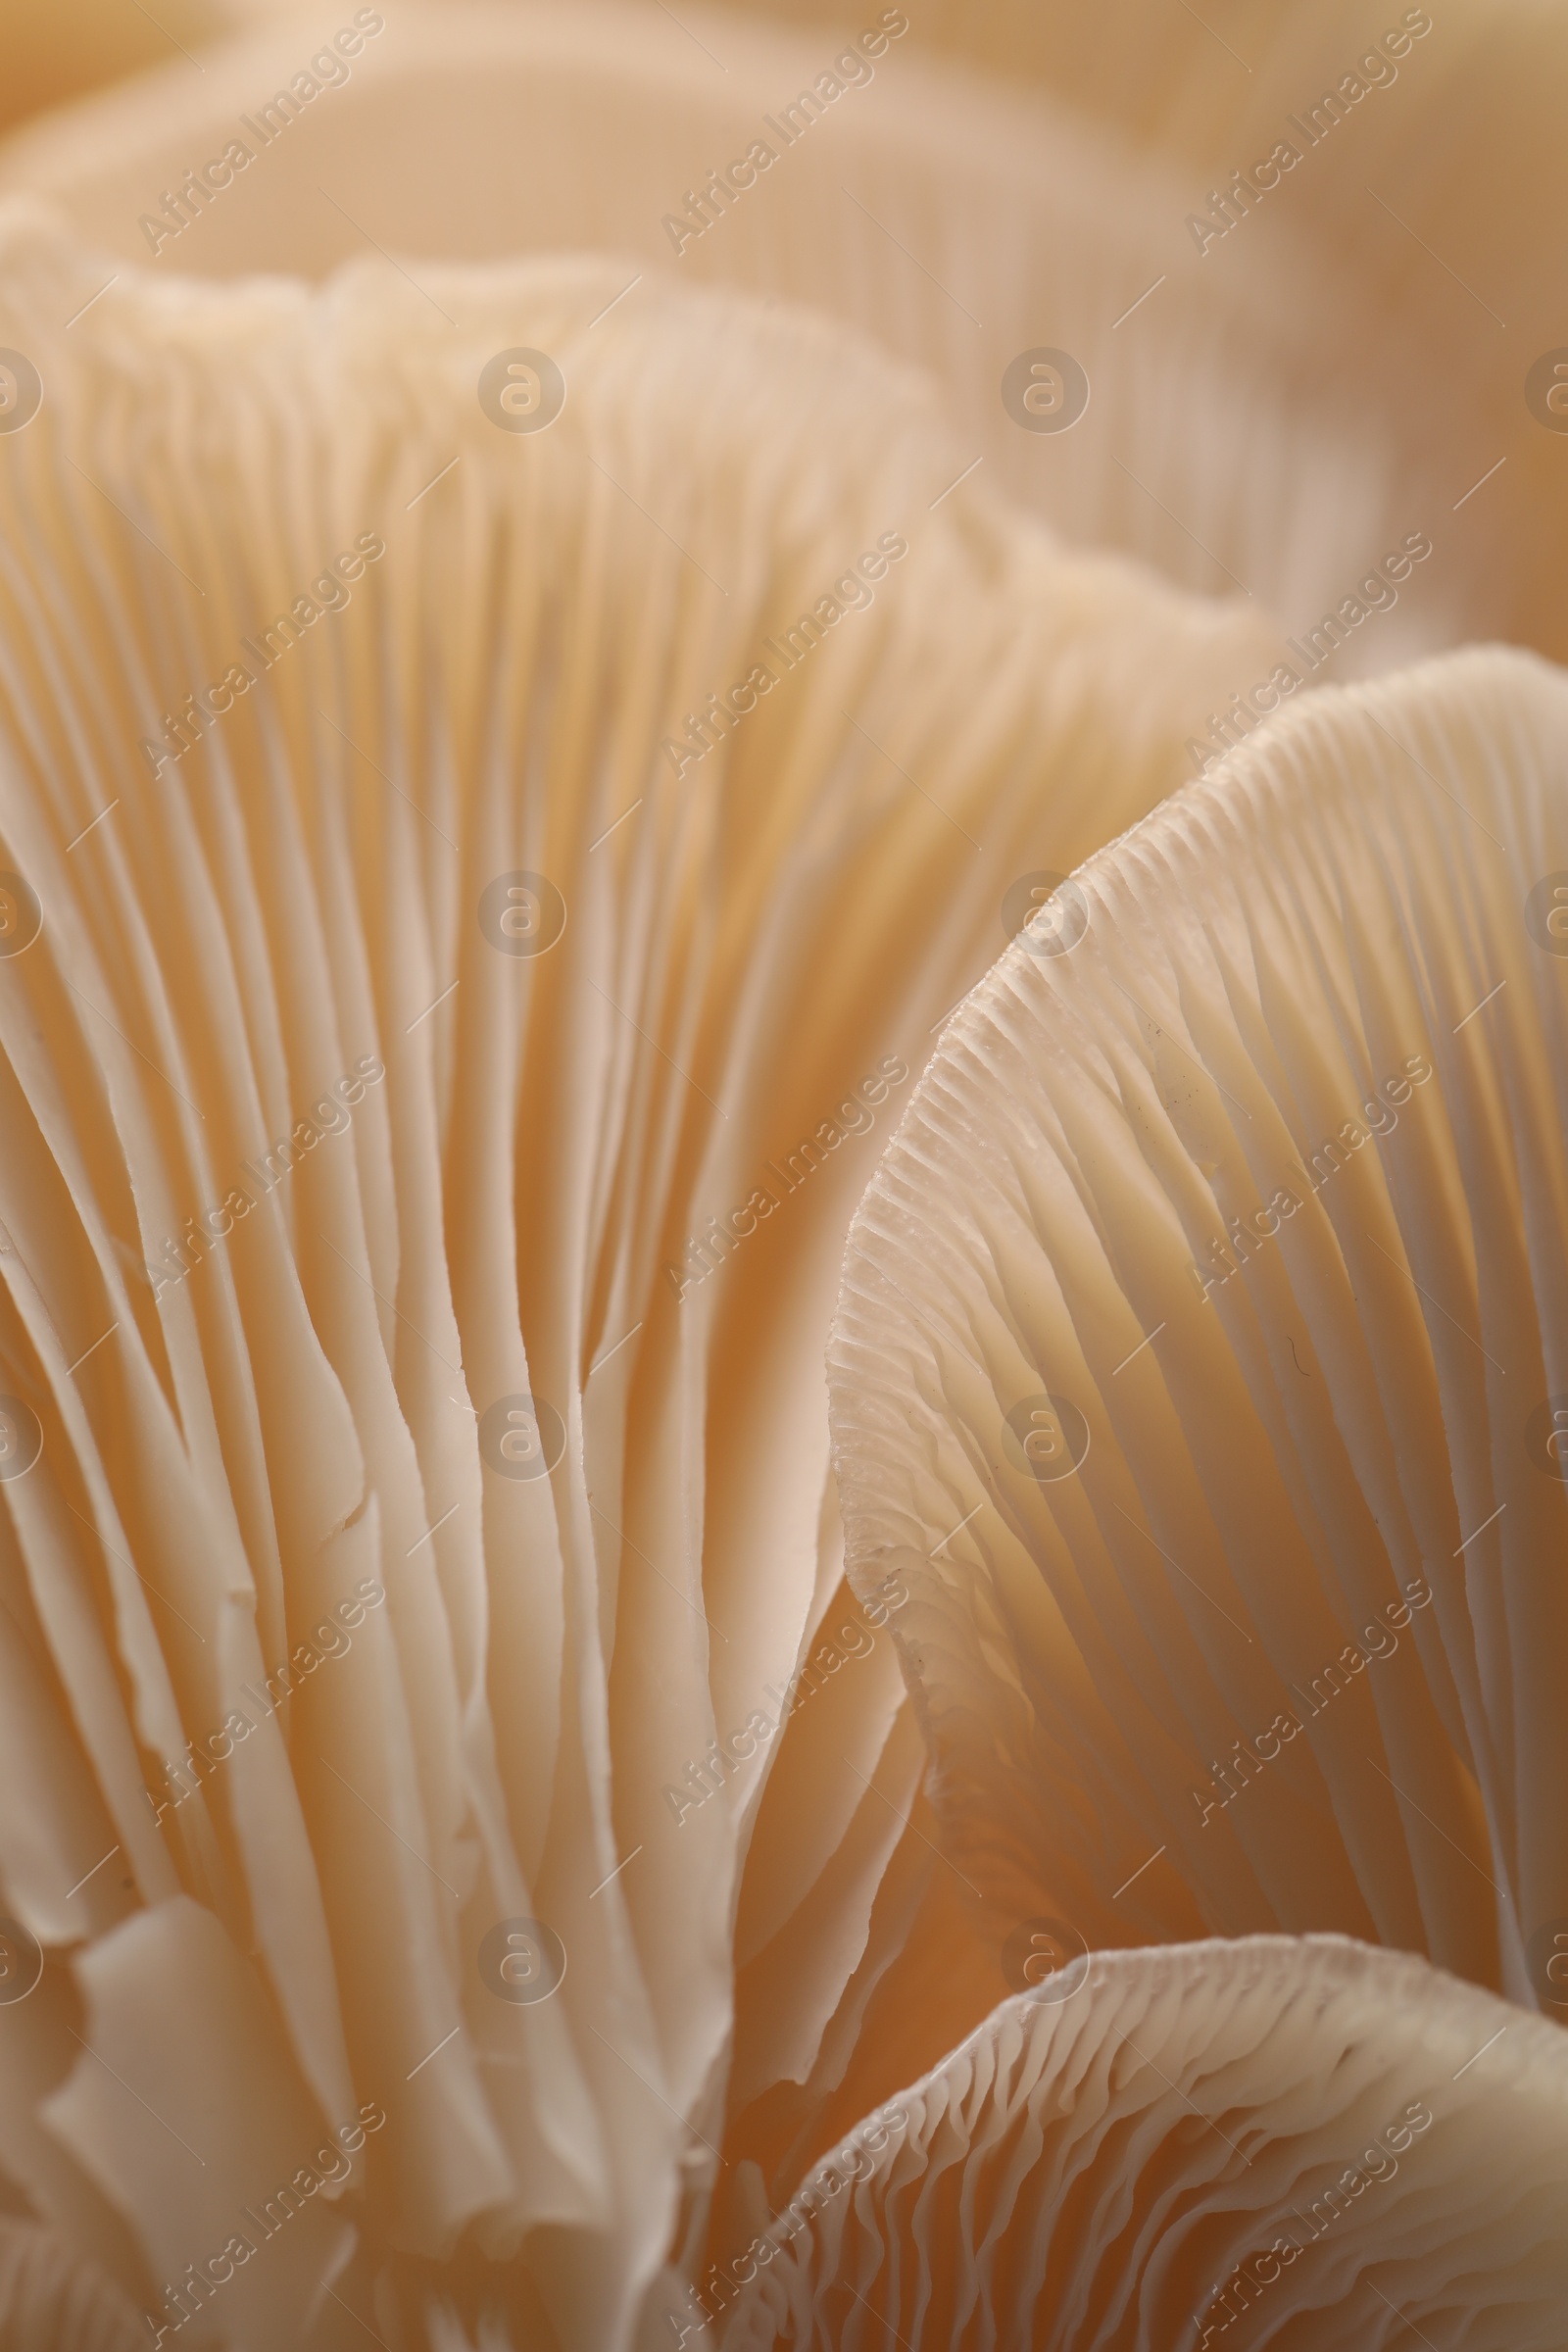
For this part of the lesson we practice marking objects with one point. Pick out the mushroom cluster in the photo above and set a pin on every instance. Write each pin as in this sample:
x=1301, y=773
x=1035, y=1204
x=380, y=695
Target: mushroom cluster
x=573, y=845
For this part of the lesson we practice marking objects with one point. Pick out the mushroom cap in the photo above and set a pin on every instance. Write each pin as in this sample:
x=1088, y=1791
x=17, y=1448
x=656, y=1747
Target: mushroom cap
x=1234, y=432
x=414, y=941
x=1316, y=2142
x=1303, y=142
x=1202, y=1364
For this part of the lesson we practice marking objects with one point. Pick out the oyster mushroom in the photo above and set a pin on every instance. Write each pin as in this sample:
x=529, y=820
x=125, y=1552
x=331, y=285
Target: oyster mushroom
x=1307, y=146
x=1302, y=2140
x=446, y=993
x=1214, y=1285
x=1235, y=433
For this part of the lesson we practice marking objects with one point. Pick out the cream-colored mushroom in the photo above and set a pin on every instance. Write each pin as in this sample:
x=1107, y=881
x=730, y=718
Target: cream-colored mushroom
x=1201, y=1359
x=1309, y=146
x=1226, y=424
x=1304, y=2142
x=493, y=806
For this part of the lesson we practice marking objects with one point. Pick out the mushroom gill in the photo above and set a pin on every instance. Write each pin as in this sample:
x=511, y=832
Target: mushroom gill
x=1206, y=420
x=1202, y=1365
x=473, y=881
x=53, y=2300
x=1311, y=144
x=1302, y=2140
